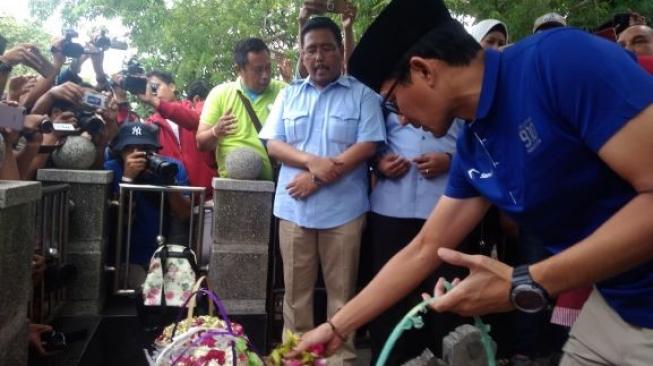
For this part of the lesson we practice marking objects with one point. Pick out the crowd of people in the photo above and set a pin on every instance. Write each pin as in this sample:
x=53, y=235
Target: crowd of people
x=388, y=155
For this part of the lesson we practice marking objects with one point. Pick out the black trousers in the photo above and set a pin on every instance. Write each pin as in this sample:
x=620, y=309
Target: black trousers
x=384, y=238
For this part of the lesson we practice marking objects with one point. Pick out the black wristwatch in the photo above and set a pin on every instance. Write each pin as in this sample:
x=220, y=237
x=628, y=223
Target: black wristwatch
x=527, y=295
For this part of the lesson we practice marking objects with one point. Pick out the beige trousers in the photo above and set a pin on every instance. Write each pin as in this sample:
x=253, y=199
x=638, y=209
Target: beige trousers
x=600, y=337
x=303, y=251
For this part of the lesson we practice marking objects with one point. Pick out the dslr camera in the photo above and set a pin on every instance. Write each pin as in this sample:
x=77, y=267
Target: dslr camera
x=160, y=167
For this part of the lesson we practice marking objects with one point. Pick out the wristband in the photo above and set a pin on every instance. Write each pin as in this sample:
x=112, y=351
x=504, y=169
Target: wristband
x=126, y=179
x=335, y=331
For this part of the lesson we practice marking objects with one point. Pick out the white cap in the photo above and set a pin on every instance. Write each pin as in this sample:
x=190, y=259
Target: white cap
x=482, y=28
x=549, y=18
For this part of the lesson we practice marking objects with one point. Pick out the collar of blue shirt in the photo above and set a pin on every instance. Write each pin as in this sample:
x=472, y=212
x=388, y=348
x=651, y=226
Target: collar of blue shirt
x=490, y=75
x=342, y=80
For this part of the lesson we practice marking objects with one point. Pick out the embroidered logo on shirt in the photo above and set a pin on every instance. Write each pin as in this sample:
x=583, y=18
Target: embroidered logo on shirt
x=136, y=131
x=475, y=173
x=528, y=135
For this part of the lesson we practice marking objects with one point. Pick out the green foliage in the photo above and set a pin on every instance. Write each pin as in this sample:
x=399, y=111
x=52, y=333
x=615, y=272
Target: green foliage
x=195, y=38
x=24, y=32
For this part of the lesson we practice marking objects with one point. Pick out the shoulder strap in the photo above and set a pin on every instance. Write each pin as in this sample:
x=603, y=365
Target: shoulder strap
x=250, y=111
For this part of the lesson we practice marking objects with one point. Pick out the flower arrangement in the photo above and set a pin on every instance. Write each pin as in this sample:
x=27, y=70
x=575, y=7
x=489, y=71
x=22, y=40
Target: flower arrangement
x=313, y=357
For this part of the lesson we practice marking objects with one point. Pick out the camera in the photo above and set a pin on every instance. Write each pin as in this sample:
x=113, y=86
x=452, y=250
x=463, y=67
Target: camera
x=53, y=341
x=101, y=41
x=70, y=48
x=89, y=121
x=94, y=100
x=160, y=167
x=134, y=80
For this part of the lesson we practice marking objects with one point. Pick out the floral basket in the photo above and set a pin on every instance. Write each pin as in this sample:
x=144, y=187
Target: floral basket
x=204, y=341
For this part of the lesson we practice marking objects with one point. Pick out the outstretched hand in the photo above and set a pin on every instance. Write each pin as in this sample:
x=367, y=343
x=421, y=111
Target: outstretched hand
x=323, y=334
x=485, y=290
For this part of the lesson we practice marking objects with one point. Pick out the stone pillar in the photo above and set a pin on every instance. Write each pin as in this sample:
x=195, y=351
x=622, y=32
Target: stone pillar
x=87, y=235
x=463, y=347
x=238, y=269
x=17, y=224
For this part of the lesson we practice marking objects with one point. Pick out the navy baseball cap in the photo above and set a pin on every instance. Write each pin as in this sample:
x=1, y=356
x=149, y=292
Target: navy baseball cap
x=400, y=25
x=137, y=133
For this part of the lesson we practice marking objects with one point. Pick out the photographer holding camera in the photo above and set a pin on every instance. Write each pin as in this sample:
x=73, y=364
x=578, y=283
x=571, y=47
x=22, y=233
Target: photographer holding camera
x=21, y=133
x=177, y=122
x=136, y=162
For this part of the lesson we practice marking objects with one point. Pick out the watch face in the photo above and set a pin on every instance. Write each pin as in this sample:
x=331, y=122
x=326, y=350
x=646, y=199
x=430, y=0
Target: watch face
x=528, y=299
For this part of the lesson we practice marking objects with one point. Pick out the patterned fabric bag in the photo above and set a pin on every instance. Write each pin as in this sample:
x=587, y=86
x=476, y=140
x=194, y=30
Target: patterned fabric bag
x=170, y=279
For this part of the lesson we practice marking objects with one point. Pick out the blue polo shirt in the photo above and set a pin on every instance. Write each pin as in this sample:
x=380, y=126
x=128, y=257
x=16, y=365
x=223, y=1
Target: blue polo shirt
x=547, y=105
x=325, y=122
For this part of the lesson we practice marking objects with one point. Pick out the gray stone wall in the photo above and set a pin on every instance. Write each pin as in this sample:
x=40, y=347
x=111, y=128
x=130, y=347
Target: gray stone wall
x=87, y=235
x=239, y=261
x=17, y=225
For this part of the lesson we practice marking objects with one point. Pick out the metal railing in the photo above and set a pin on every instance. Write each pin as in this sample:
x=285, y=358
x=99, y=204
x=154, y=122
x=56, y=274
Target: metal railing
x=121, y=263
x=52, y=215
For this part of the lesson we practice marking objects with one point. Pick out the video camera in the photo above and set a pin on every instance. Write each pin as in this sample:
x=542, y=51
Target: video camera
x=133, y=77
x=70, y=48
x=101, y=42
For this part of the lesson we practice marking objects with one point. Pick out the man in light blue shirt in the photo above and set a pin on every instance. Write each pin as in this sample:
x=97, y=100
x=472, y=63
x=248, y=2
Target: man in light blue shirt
x=412, y=170
x=323, y=130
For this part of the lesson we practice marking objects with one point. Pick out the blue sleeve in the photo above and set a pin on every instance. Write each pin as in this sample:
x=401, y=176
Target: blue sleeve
x=114, y=166
x=592, y=84
x=274, y=128
x=372, y=124
x=182, y=176
x=458, y=186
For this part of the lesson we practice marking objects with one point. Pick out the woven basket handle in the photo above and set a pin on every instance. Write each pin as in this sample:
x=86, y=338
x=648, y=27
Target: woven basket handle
x=192, y=303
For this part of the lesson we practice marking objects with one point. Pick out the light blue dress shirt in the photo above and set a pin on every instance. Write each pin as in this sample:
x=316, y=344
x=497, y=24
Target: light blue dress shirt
x=411, y=195
x=325, y=122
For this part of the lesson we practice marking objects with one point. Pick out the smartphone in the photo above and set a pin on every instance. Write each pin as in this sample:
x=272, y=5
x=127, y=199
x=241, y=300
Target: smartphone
x=331, y=6
x=154, y=87
x=94, y=100
x=336, y=6
x=3, y=44
x=12, y=117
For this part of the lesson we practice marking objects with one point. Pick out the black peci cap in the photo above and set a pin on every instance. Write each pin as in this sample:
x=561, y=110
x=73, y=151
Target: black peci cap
x=136, y=133
x=399, y=26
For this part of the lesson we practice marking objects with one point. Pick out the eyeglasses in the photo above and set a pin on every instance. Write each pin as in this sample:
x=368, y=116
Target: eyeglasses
x=388, y=105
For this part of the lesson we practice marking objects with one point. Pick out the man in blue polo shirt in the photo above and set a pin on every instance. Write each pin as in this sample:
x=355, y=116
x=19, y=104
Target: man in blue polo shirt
x=559, y=137
x=323, y=129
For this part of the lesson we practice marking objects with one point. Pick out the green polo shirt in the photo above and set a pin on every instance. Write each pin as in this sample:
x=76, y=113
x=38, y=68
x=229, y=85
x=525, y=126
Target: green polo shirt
x=222, y=98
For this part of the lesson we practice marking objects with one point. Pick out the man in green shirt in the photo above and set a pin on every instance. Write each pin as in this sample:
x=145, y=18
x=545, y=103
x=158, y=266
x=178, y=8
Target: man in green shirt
x=225, y=123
